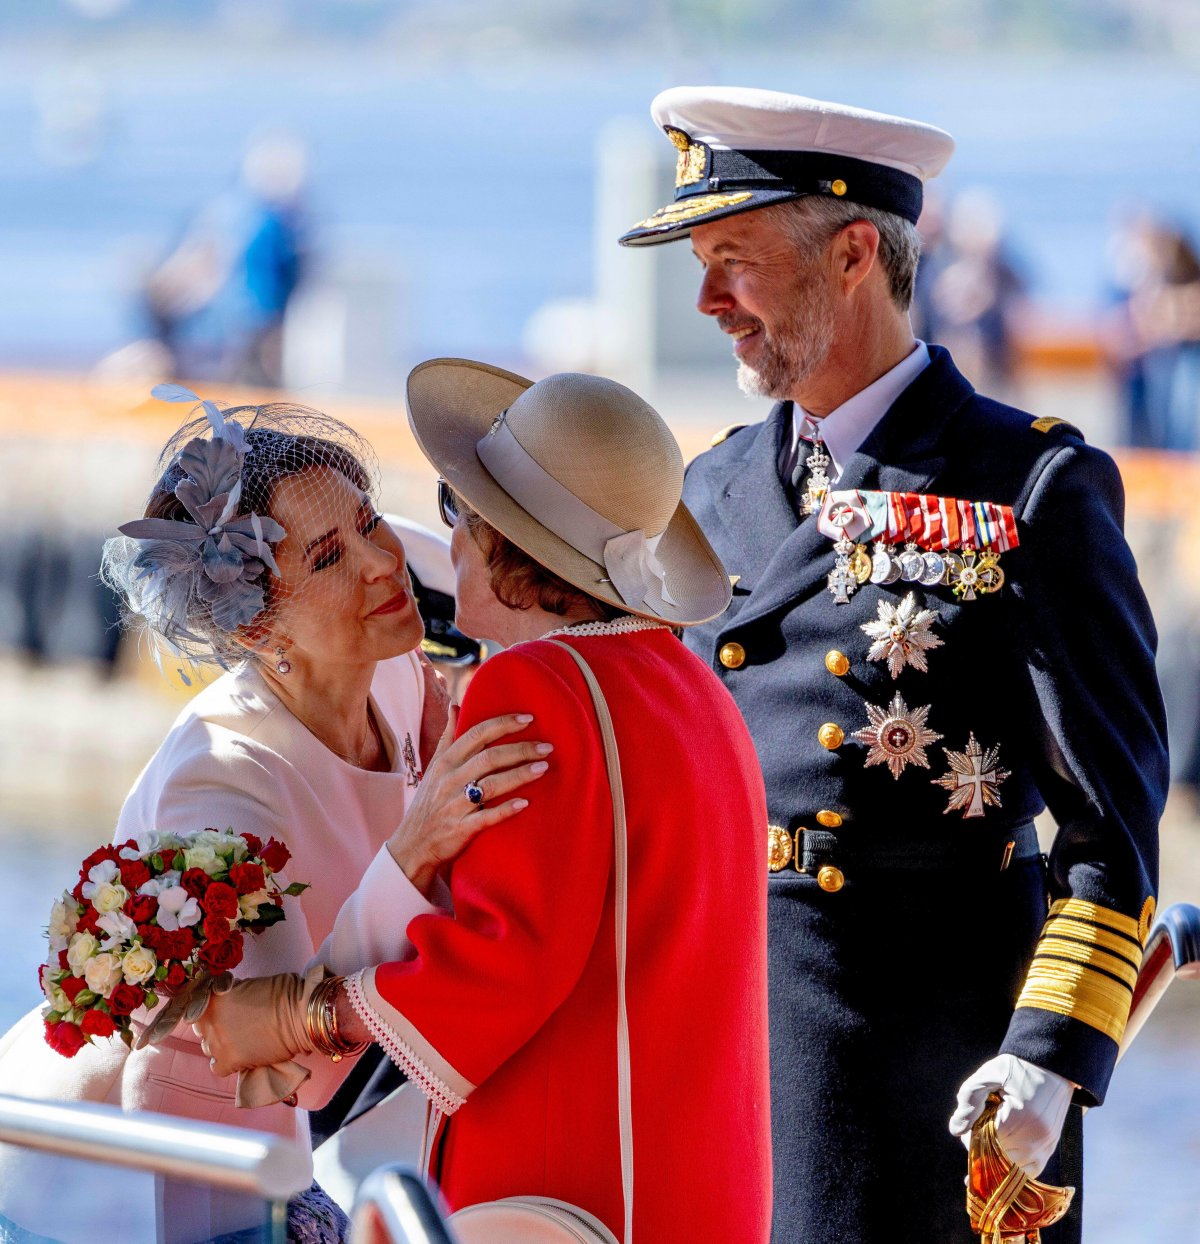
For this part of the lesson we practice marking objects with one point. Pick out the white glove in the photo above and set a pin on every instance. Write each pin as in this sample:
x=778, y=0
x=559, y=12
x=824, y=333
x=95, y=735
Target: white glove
x=1030, y=1119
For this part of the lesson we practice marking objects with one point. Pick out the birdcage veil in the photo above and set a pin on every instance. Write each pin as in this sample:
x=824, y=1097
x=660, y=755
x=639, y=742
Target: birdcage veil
x=200, y=566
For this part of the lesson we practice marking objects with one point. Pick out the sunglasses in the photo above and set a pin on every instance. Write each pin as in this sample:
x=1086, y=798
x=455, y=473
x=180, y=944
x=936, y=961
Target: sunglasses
x=447, y=503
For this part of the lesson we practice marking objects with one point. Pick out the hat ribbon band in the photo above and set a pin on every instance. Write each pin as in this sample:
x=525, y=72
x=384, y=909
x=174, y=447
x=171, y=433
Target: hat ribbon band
x=629, y=556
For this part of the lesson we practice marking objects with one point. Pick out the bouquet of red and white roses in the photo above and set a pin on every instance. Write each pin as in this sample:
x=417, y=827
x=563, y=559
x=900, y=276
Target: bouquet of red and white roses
x=150, y=919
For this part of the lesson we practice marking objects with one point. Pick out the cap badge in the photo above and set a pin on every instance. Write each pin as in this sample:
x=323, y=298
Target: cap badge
x=691, y=161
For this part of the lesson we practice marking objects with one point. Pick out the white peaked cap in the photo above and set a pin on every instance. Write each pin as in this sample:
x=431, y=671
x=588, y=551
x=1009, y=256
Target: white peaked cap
x=741, y=148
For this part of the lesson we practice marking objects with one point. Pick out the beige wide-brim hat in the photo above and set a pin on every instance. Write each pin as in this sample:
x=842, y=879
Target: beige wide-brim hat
x=596, y=439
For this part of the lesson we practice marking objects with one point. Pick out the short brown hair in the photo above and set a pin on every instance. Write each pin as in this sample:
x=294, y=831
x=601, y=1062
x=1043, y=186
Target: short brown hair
x=518, y=581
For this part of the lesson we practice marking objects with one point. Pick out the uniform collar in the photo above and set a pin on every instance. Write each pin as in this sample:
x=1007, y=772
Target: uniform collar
x=844, y=429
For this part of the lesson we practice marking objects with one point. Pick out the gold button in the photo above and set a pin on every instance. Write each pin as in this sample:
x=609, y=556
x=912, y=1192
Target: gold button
x=830, y=879
x=779, y=848
x=831, y=735
x=838, y=187
x=831, y=820
x=837, y=662
x=732, y=656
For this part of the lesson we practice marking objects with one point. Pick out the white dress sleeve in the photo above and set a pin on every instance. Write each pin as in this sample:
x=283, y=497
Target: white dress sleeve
x=372, y=926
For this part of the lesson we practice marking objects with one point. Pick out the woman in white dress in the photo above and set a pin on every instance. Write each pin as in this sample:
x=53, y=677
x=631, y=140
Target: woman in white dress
x=262, y=552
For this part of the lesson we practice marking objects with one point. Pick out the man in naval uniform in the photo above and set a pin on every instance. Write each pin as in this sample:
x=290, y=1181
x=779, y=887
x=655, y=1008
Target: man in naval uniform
x=936, y=631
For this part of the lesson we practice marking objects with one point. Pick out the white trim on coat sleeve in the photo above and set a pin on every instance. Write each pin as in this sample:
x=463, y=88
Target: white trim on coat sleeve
x=407, y=1047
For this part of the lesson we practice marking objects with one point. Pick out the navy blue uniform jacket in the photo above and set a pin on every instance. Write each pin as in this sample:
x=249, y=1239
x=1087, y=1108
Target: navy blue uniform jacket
x=934, y=956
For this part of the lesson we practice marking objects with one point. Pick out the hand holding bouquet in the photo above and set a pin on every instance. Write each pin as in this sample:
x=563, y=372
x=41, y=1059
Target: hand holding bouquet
x=155, y=917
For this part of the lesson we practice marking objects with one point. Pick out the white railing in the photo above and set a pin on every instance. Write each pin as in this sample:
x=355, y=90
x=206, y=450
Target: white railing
x=229, y=1158
x=394, y=1207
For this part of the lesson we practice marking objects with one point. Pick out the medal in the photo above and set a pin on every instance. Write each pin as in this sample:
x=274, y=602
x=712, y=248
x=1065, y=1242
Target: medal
x=902, y=635
x=973, y=779
x=861, y=564
x=881, y=563
x=972, y=573
x=841, y=580
x=935, y=569
x=817, y=486
x=912, y=566
x=896, y=736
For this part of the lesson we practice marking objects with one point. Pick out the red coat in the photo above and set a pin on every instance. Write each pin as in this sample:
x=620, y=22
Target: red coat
x=511, y=1004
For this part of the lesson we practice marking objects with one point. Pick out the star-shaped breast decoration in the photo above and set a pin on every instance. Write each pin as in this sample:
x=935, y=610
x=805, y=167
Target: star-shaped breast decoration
x=973, y=779
x=896, y=735
x=902, y=635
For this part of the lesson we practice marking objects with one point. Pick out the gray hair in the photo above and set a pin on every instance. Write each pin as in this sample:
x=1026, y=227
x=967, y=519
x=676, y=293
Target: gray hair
x=813, y=221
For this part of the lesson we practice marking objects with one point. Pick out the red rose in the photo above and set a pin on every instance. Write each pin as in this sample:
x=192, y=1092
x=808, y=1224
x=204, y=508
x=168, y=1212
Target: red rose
x=63, y=961
x=88, y=921
x=97, y=1024
x=175, y=977
x=217, y=928
x=141, y=908
x=222, y=956
x=134, y=873
x=176, y=945
x=64, y=1038
x=72, y=986
x=125, y=999
x=195, y=882
x=253, y=843
x=151, y=935
x=246, y=878
x=275, y=855
x=101, y=853
x=220, y=899
x=77, y=891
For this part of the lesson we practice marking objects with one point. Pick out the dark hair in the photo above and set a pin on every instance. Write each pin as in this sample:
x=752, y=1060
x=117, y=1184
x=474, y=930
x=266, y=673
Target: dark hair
x=520, y=582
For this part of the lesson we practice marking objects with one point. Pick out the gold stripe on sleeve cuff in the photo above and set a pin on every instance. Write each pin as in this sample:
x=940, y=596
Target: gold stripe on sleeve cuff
x=1085, y=966
x=1093, y=913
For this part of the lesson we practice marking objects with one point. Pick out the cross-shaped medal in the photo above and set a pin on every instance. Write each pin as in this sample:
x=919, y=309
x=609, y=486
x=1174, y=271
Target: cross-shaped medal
x=974, y=779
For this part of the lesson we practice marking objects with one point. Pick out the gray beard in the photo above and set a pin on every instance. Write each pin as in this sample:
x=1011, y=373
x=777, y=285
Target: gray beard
x=789, y=363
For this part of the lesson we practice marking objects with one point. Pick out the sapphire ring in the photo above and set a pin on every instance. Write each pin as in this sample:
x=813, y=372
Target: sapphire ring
x=474, y=793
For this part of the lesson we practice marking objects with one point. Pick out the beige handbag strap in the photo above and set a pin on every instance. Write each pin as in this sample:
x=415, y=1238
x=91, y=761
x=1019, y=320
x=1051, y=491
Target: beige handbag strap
x=621, y=884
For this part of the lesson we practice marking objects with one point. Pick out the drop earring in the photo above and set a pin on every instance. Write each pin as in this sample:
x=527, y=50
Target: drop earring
x=282, y=664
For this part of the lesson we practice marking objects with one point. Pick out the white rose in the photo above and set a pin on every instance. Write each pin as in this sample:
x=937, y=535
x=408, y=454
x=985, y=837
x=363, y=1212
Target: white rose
x=82, y=947
x=103, y=974
x=64, y=917
x=101, y=874
x=54, y=995
x=177, y=909
x=203, y=856
x=138, y=965
x=109, y=897
x=250, y=903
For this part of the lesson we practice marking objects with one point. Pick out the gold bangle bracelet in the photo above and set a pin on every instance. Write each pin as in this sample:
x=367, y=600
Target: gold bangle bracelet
x=321, y=1025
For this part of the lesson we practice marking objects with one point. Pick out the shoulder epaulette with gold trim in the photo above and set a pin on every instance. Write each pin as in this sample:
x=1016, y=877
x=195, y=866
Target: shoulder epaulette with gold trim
x=725, y=433
x=1049, y=423
x=1086, y=965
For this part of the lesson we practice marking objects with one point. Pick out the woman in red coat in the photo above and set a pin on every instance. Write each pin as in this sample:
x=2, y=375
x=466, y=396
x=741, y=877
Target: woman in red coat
x=564, y=500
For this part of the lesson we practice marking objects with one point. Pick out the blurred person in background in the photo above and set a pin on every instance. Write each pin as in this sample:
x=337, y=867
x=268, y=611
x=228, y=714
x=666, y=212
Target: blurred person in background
x=914, y=705
x=217, y=302
x=976, y=293
x=321, y=733
x=1152, y=332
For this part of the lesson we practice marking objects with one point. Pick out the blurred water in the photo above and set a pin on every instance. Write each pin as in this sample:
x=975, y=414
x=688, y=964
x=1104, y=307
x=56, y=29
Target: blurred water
x=475, y=179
